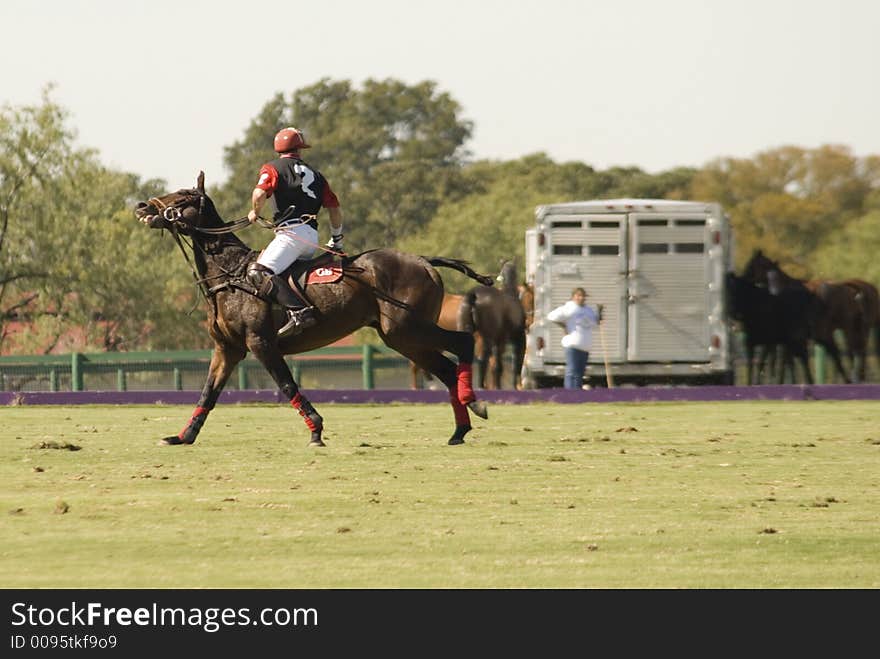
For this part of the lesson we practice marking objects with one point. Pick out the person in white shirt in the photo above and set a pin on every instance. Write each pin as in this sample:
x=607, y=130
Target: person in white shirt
x=578, y=320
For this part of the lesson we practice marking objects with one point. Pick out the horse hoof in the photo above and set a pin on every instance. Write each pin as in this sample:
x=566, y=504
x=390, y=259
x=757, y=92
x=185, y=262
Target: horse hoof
x=479, y=408
x=174, y=440
x=458, y=436
x=316, y=440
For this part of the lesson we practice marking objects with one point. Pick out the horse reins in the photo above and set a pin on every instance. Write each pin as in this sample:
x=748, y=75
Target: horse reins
x=172, y=215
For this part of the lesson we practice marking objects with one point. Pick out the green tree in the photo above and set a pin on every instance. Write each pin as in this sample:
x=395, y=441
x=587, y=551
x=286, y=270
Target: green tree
x=122, y=285
x=488, y=225
x=789, y=201
x=34, y=145
x=852, y=252
x=75, y=266
x=634, y=183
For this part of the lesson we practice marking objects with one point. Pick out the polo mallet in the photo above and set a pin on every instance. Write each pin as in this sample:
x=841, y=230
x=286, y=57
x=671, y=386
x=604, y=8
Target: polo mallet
x=609, y=380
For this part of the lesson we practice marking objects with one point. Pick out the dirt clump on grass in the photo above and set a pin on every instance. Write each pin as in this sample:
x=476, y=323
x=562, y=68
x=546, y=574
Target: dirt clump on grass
x=65, y=446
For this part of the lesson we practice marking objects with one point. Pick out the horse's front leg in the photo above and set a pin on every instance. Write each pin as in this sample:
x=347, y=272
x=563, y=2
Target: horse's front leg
x=484, y=363
x=223, y=361
x=750, y=355
x=266, y=350
x=519, y=352
x=498, y=365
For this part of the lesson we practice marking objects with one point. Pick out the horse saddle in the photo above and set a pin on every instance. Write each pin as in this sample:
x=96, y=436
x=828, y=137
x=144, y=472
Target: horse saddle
x=319, y=270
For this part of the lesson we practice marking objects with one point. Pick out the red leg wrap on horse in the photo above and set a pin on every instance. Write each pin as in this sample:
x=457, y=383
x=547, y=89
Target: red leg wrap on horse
x=464, y=372
x=298, y=403
x=462, y=418
x=196, y=421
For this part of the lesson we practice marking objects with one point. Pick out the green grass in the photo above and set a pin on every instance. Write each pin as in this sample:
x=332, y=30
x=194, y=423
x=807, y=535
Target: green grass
x=691, y=495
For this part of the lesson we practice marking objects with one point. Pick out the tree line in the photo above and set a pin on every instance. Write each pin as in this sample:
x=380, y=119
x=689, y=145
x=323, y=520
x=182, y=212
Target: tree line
x=80, y=273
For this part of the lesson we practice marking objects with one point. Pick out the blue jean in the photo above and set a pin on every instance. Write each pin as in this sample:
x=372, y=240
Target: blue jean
x=575, y=365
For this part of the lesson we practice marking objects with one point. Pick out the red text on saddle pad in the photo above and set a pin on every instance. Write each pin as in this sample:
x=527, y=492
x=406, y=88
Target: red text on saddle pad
x=324, y=275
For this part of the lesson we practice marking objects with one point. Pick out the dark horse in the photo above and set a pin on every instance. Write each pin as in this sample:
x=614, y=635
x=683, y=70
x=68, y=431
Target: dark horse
x=772, y=320
x=397, y=294
x=842, y=309
x=499, y=317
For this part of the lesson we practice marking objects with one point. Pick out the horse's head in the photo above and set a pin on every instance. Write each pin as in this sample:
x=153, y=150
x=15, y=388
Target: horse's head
x=507, y=275
x=182, y=210
x=759, y=267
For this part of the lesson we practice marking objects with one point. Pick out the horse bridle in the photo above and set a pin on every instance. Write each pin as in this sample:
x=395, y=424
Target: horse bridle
x=172, y=215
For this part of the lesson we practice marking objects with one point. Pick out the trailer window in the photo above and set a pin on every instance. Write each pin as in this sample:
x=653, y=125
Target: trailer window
x=689, y=248
x=604, y=225
x=571, y=250
x=604, y=250
x=653, y=223
x=653, y=248
x=566, y=225
x=690, y=223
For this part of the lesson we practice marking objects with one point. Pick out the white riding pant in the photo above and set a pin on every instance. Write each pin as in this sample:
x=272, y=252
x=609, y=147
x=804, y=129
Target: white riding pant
x=289, y=244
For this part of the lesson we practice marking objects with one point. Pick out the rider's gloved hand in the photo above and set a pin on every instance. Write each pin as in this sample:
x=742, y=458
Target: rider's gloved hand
x=335, y=243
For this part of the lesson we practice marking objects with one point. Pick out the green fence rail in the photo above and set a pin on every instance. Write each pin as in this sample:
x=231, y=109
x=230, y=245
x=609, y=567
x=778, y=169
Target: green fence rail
x=340, y=367
x=355, y=367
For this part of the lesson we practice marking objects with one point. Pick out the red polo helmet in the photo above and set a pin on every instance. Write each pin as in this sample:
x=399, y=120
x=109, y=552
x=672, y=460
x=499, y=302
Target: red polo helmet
x=290, y=139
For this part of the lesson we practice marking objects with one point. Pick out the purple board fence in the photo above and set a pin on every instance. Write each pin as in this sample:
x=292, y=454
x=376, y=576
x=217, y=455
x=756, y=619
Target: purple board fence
x=379, y=396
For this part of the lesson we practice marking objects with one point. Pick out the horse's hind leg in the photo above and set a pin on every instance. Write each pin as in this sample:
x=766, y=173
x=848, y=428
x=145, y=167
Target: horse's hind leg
x=410, y=335
x=266, y=350
x=519, y=351
x=444, y=369
x=861, y=351
x=414, y=376
x=831, y=348
x=223, y=361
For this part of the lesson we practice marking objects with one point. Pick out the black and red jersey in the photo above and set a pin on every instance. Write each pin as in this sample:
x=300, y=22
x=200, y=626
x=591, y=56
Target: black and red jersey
x=298, y=189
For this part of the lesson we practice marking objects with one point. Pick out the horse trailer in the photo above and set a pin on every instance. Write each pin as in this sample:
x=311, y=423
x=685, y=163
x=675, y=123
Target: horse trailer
x=658, y=268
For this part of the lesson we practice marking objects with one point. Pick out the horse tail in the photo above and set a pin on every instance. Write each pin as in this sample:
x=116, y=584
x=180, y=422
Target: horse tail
x=466, y=321
x=461, y=266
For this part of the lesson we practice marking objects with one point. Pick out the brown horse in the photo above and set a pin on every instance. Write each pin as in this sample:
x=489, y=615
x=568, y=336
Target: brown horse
x=869, y=298
x=397, y=294
x=499, y=316
x=448, y=320
x=527, y=300
x=841, y=309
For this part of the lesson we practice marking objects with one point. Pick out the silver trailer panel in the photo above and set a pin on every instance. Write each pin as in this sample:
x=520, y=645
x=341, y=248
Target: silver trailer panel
x=658, y=269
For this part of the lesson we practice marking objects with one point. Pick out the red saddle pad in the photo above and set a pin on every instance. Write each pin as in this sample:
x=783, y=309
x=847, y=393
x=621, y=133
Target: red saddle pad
x=324, y=275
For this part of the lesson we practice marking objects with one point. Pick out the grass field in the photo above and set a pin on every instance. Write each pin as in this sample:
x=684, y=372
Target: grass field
x=664, y=495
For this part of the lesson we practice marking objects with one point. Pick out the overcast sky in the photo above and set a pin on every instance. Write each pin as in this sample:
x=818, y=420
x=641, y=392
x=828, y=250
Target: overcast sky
x=160, y=87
